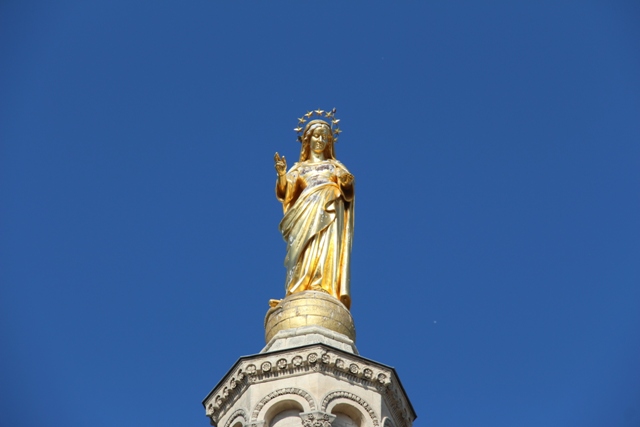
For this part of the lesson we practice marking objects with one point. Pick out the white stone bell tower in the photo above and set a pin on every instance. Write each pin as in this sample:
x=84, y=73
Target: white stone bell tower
x=309, y=375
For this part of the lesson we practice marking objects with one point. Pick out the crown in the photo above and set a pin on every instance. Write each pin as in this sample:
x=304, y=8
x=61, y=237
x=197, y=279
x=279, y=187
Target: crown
x=335, y=130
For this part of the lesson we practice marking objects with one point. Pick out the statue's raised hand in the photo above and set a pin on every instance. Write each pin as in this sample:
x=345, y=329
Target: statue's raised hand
x=281, y=164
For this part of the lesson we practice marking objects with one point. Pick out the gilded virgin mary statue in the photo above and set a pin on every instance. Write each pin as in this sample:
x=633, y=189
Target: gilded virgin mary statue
x=317, y=196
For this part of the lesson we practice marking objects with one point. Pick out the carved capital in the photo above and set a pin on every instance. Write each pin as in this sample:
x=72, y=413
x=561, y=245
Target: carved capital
x=316, y=419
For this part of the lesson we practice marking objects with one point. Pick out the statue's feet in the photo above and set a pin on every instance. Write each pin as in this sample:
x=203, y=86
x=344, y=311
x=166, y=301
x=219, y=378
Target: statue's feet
x=274, y=302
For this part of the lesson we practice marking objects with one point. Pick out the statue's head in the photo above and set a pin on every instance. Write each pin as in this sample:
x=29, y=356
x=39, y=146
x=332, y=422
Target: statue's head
x=317, y=136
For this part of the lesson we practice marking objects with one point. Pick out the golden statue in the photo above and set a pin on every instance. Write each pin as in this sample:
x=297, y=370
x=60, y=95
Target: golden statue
x=317, y=196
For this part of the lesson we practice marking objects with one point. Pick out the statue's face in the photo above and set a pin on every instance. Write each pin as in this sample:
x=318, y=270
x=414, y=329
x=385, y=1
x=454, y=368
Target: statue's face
x=319, y=139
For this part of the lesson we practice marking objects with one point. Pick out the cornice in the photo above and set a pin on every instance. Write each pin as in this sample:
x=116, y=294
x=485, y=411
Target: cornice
x=294, y=362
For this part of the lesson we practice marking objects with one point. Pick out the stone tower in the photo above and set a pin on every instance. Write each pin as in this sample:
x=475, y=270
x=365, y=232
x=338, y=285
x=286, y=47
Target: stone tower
x=309, y=375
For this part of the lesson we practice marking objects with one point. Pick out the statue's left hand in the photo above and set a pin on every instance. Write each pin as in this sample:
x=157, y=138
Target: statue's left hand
x=346, y=179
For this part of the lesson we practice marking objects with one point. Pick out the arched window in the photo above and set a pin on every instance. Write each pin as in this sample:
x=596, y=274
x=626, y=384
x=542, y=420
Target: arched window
x=346, y=416
x=286, y=418
x=343, y=420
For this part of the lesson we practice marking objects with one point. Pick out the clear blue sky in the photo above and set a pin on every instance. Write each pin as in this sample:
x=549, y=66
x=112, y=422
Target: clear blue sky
x=496, y=149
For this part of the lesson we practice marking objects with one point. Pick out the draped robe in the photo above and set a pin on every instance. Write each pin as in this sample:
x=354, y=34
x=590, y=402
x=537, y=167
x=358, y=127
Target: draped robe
x=318, y=229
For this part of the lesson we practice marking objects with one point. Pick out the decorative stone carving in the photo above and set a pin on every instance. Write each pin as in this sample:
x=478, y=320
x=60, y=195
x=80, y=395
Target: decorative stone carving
x=237, y=414
x=282, y=392
x=317, y=419
x=398, y=406
x=267, y=367
x=346, y=395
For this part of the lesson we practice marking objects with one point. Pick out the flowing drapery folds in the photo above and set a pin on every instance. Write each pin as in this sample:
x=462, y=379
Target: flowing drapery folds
x=318, y=229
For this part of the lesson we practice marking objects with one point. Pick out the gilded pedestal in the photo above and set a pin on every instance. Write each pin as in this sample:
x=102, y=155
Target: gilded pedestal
x=309, y=308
